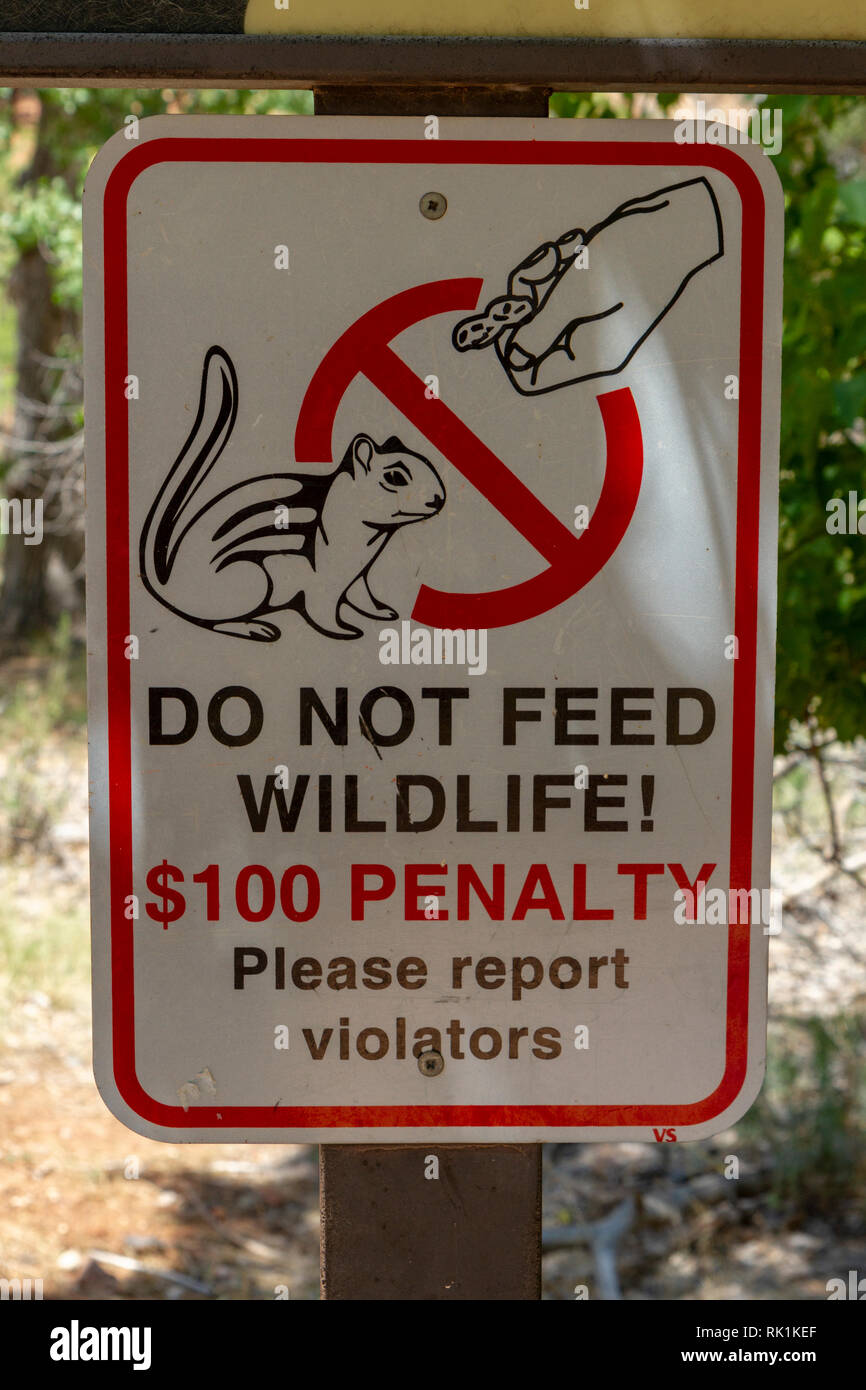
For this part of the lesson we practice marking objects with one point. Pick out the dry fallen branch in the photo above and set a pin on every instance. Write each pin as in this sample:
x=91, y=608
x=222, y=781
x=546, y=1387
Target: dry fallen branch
x=602, y=1237
x=104, y=1257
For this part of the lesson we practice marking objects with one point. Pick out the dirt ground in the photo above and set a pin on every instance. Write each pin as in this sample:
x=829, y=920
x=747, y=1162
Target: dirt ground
x=98, y=1212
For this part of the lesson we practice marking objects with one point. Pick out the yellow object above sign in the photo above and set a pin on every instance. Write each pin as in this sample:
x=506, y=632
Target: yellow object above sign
x=670, y=19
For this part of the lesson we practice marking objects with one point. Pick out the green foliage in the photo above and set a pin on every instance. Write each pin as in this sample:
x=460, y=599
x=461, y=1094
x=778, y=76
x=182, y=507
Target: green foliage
x=53, y=699
x=44, y=706
x=582, y=105
x=822, y=578
x=812, y=1111
x=44, y=939
x=48, y=216
x=51, y=955
x=8, y=325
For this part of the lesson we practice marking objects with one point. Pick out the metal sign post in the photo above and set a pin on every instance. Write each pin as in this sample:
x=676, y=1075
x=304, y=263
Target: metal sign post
x=431, y=1222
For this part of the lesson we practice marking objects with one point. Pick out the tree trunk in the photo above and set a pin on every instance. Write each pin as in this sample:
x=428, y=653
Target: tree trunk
x=25, y=602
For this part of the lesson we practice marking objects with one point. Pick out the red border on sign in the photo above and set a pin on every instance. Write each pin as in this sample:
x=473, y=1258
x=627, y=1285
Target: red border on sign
x=481, y=152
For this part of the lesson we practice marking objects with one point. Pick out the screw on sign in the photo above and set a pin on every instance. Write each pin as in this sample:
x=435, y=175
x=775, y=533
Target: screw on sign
x=434, y=205
x=467, y=869
x=431, y=1063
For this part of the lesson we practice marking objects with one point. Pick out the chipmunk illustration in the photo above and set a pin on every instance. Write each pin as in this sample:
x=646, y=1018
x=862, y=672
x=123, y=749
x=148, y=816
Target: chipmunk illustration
x=298, y=541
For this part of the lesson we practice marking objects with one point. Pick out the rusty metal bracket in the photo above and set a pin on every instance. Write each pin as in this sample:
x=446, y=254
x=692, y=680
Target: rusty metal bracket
x=439, y=101
x=612, y=64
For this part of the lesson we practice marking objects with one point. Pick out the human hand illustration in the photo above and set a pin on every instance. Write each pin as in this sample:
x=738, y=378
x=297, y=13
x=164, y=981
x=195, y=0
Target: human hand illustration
x=572, y=313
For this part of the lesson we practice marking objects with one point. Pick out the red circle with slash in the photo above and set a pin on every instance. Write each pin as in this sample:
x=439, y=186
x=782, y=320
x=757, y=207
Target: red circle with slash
x=572, y=560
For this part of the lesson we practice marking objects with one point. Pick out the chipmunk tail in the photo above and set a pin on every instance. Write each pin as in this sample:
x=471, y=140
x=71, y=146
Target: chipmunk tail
x=170, y=515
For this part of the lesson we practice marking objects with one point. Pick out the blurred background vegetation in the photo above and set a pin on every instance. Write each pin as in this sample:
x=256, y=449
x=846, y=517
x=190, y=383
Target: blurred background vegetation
x=805, y=1137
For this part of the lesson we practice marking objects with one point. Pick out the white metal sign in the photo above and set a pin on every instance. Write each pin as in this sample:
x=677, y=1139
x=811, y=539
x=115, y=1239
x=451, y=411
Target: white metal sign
x=432, y=508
